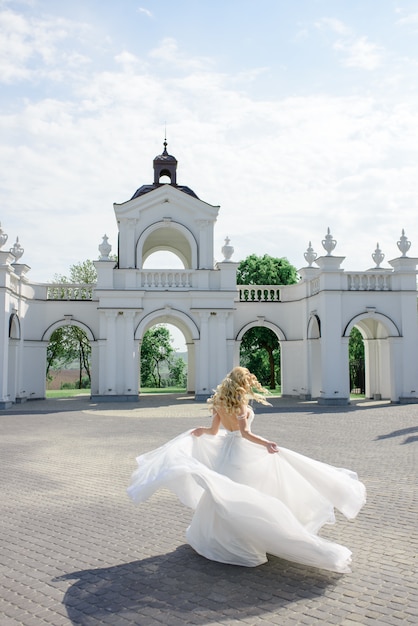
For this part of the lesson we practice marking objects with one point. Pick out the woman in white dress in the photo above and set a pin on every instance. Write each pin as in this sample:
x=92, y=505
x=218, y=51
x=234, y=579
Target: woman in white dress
x=251, y=498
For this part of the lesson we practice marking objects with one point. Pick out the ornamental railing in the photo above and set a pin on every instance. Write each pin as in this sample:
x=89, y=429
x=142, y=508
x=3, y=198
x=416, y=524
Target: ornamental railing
x=259, y=293
x=64, y=291
x=367, y=281
x=165, y=279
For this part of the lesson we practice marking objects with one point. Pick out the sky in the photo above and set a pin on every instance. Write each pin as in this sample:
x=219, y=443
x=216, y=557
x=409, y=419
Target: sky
x=293, y=116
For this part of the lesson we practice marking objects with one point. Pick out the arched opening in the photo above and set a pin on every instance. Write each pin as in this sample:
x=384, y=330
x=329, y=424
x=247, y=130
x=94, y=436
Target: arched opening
x=177, y=371
x=260, y=353
x=376, y=331
x=167, y=236
x=68, y=360
x=163, y=366
x=163, y=260
x=356, y=363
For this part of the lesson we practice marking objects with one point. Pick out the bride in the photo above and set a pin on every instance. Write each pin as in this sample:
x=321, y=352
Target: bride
x=251, y=498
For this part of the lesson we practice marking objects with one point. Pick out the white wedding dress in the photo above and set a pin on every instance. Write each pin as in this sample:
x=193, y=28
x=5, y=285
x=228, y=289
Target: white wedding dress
x=249, y=503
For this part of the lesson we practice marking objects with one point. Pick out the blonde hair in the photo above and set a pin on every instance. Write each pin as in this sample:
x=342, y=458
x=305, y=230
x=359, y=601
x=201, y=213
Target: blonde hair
x=236, y=389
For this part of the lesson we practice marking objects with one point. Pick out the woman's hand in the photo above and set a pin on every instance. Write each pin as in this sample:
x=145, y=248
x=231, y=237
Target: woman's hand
x=272, y=447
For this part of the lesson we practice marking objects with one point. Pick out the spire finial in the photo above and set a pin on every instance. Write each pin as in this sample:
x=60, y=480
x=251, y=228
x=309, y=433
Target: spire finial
x=165, y=138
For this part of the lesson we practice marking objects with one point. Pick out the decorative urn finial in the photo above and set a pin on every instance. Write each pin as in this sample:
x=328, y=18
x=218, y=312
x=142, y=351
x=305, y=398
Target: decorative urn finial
x=104, y=249
x=227, y=250
x=403, y=243
x=329, y=243
x=3, y=237
x=310, y=255
x=17, y=250
x=378, y=256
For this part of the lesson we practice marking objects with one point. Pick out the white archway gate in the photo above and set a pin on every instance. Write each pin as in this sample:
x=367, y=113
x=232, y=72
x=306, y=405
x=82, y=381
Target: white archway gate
x=312, y=319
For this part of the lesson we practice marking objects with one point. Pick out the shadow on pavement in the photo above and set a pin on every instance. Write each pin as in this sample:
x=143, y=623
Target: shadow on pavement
x=182, y=584
x=401, y=433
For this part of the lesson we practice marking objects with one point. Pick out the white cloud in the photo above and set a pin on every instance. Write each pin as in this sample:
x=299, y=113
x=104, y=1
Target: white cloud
x=360, y=53
x=31, y=48
x=283, y=169
x=169, y=52
x=408, y=20
x=336, y=26
x=145, y=12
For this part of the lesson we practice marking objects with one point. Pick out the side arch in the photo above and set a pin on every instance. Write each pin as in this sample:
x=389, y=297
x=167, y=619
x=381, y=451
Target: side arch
x=67, y=322
x=367, y=323
x=171, y=236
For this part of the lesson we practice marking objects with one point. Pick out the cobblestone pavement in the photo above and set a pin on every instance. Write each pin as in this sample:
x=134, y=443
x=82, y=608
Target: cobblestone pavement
x=75, y=550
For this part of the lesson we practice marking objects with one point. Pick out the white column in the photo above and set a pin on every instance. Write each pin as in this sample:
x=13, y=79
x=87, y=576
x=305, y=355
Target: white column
x=130, y=355
x=111, y=353
x=203, y=388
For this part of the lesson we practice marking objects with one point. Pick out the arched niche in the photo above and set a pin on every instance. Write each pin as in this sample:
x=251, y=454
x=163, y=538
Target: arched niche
x=167, y=236
x=14, y=327
x=314, y=327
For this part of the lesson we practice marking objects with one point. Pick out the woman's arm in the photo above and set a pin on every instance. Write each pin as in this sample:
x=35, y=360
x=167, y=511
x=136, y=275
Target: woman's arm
x=246, y=433
x=212, y=430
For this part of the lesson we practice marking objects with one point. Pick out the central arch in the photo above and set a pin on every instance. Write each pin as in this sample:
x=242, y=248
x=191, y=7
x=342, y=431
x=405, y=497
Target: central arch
x=185, y=324
x=169, y=236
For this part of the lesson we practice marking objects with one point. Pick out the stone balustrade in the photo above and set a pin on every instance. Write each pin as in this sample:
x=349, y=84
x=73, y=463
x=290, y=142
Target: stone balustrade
x=369, y=281
x=166, y=279
x=71, y=291
x=259, y=293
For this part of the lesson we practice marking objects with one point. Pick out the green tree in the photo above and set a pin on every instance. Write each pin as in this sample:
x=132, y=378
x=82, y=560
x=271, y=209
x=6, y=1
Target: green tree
x=260, y=352
x=266, y=270
x=177, y=368
x=156, y=351
x=80, y=273
x=356, y=360
x=260, y=348
x=70, y=343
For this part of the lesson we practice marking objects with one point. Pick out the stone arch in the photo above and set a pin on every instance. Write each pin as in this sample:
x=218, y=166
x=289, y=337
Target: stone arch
x=261, y=323
x=368, y=324
x=185, y=324
x=67, y=322
x=14, y=327
x=377, y=331
x=170, y=236
x=264, y=323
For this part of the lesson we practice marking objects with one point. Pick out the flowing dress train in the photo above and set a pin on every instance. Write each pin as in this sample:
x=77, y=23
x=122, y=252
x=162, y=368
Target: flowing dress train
x=249, y=503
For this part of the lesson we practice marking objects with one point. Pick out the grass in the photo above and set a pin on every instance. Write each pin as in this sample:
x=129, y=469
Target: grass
x=70, y=393
x=66, y=393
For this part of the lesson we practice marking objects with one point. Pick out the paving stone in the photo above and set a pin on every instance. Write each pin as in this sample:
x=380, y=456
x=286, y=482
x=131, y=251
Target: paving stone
x=75, y=550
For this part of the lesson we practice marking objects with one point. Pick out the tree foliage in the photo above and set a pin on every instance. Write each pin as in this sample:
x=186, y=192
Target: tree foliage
x=260, y=352
x=156, y=350
x=260, y=348
x=69, y=343
x=356, y=360
x=80, y=273
x=266, y=270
